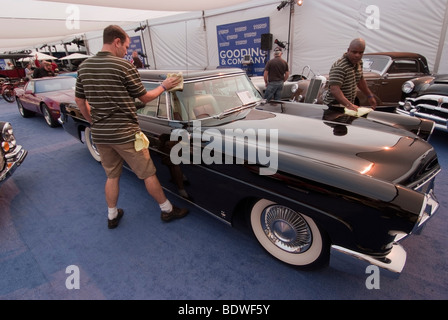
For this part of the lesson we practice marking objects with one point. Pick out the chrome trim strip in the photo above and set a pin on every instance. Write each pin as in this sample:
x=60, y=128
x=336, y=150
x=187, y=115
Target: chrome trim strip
x=436, y=119
x=425, y=181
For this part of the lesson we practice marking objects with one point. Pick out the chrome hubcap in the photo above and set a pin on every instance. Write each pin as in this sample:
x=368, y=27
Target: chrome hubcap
x=47, y=116
x=286, y=229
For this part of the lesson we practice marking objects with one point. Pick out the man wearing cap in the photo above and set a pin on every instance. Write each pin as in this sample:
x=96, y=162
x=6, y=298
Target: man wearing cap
x=275, y=74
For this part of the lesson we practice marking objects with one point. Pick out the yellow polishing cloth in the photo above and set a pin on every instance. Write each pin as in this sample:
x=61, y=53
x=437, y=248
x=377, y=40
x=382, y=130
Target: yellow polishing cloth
x=141, y=141
x=180, y=85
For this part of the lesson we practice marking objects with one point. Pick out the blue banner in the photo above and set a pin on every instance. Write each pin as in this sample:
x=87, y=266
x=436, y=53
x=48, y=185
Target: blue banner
x=243, y=39
x=136, y=45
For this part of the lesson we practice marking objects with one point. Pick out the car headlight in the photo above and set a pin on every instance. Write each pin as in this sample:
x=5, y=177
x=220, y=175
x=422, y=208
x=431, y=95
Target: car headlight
x=9, y=141
x=7, y=132
x=294, y=87
x=408, y=86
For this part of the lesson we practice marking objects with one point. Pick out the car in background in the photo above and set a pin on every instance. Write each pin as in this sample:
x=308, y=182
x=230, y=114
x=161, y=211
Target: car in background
x=385, y=73
x=289, y=87
x=43, y=95
x=11, y=154
x=302, y=178
x=427, y=98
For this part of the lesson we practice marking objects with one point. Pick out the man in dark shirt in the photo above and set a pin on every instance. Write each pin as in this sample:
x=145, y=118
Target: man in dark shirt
x=44, y=71
x=346, y=76
x=136, y=60
x=275, y=74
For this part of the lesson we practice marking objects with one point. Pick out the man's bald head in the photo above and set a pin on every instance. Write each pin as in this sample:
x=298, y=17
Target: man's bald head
x=357, y=44
x=356, y=50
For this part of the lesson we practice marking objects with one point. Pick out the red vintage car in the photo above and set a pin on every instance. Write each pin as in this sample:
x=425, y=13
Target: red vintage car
x=43, y=96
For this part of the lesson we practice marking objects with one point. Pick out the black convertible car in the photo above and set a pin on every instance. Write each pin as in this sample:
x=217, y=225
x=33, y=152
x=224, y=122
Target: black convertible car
x=302, y=177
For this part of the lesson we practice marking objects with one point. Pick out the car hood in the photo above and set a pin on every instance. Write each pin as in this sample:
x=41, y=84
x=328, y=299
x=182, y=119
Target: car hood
x=358, y=145
x=437, y=88
x=441, y=78
x=60, y=96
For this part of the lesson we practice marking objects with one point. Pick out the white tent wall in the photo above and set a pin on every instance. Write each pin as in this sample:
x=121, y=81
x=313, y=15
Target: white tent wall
x=179, y=44
x=324, y=29
x=444, y=56
x=442, y=66
x=321, y=31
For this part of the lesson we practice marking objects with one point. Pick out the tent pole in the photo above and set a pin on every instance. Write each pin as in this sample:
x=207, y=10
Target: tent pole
x=441, y=41
x=152, y=45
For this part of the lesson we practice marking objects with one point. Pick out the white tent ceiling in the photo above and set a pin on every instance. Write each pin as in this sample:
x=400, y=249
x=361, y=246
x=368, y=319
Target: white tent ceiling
x=26, y=24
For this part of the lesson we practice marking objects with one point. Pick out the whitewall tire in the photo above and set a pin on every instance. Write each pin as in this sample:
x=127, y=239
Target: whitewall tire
x=288, y=235
x=90, y=145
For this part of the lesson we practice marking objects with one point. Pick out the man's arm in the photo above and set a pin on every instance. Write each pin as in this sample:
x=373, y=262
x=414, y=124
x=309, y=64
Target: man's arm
x=265, y=76
x=167, y=84
x=340, y=97
x=84, y=107
x=362, y=85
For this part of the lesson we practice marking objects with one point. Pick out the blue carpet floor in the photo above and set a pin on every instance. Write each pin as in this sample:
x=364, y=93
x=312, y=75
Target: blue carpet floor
x=53, y=219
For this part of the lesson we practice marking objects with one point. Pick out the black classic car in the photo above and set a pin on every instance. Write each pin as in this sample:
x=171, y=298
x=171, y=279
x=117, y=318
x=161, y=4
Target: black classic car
x=427, y=98
x=11, y=153
x=385, y=73
x=303, y=178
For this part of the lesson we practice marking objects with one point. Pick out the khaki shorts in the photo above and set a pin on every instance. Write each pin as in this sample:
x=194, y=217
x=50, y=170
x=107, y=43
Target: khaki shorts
x=114, y=155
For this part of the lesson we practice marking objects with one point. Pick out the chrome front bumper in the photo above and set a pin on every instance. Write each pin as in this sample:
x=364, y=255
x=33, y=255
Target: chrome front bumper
x=395, y=260
x=13, y=161
x=414, y=106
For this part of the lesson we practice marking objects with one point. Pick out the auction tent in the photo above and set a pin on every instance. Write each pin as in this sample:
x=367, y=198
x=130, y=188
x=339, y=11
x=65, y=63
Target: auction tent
x=314, y=34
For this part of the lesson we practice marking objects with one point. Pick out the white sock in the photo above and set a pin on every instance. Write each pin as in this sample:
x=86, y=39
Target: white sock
x=166, y=206
x=112, y=213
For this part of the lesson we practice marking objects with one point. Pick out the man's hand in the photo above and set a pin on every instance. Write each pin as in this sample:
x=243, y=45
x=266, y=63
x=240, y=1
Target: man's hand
x=352, y=106
x=171, y=82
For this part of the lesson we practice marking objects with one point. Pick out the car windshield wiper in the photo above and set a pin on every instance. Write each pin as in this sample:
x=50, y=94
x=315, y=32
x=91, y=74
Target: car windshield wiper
x=230, y=111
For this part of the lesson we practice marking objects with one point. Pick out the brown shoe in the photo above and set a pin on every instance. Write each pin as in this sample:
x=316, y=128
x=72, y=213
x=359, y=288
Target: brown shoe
x=112, y=224
x=176, y=213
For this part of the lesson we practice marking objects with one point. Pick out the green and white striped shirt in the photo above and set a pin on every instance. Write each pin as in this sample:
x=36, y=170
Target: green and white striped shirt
x=346, y=76
x=110, y=85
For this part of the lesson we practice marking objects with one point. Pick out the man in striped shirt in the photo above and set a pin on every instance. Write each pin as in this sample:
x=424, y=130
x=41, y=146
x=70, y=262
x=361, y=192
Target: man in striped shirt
x=346, y=76
x=106, y=88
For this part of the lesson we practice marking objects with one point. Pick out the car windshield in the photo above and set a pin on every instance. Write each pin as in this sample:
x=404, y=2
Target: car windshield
x=213, y=97
x=375, y=63
x=55, y=84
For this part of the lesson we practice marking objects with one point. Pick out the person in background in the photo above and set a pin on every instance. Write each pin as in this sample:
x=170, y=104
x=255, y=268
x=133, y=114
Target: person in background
x=276, y=72
x=28, y=71
x=106, y=89
x=136, y=60
x=346, y=76
x=54, y=67
x=44, y=71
